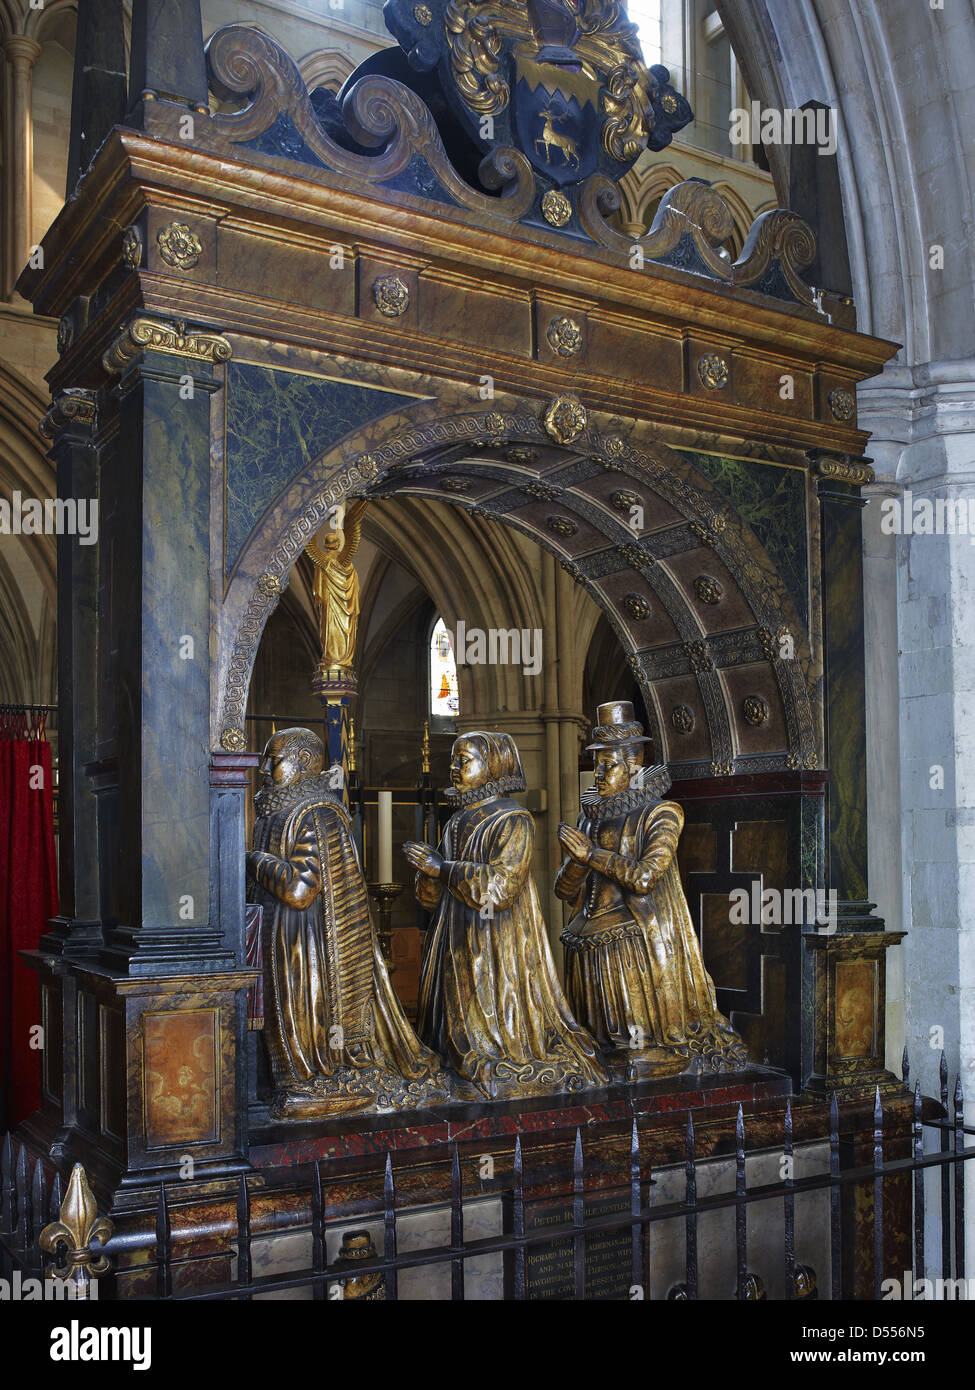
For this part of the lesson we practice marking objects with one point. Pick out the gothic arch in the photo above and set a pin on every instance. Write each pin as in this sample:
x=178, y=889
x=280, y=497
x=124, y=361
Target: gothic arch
x=326, y=67
x=28, y=578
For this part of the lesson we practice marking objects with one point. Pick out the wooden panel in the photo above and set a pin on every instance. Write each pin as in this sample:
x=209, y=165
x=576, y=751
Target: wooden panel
x=180, y=1091
x=764, y=1034
x=111, y=1072
x=698, y=850
x=52, y=1060
x=856, y=1008
x=87, y=1030
x=724, y=943
x=762, y=846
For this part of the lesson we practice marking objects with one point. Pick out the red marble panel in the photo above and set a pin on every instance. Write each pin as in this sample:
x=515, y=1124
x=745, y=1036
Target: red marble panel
x=180, y=1092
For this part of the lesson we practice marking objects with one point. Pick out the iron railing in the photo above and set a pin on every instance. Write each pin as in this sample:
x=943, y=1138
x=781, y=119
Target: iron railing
x=30, y=1197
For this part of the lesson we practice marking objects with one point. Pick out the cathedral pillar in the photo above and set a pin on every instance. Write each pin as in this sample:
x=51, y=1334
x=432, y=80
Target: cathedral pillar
x=22, y=53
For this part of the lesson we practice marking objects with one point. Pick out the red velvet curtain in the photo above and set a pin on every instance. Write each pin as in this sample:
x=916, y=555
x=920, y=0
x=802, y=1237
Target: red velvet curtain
x=28, y=898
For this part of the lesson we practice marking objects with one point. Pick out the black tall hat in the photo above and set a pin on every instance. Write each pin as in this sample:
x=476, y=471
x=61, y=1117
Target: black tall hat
x=616, y=727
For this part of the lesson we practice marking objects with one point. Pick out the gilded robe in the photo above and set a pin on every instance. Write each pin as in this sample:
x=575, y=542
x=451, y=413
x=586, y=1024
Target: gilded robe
x=335, y=1031
x=490, y=999
x=634, y=973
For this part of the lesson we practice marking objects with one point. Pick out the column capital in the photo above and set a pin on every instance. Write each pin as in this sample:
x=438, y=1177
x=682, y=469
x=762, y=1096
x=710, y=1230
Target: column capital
x=171, y=338
x=840, y=468
x=73, y=408
x=22, y=51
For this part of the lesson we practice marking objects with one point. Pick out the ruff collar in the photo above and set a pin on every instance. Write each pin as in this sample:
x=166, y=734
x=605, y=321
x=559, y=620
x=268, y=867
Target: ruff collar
x=647, y=785
x=501, y=786
x=310, y=787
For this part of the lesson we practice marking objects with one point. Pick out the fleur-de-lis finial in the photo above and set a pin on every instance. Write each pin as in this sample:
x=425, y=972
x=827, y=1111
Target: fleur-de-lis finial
x=78, y=1225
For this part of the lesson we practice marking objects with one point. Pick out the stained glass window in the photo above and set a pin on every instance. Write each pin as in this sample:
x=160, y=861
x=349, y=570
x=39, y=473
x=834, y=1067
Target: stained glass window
x=444, y=701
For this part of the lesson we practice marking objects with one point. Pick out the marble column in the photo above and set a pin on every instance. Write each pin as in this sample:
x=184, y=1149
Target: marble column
x=159, y=589
x=76, y=932
x=22, y=53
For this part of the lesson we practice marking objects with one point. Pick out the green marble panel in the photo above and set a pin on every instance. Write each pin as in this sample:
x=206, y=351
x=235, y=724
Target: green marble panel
x=277, y=424
x=772, y=501
x=846, y=732
x=164, y=672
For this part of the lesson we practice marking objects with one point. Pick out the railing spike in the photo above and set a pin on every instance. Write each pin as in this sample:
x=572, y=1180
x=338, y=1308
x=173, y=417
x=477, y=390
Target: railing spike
x=835, y=1212
x=741, y=1220
x=636, y=1230
x=38, y=1197
x=518, y=1222
x=389, y=1226
x=7, y=1185
x=243, y=1232
x=878, y=1196
x=456, y=1226
x=24, y=1234
x=319, y=1252
x=906, y=1066
x=917, y=1150
x=578, y=1219
x=163, y=1272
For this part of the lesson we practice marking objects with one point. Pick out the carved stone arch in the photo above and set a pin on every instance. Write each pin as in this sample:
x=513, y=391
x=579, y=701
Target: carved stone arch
x=742, y=216
x=24, y=463
x=640, y=189
x=12, y=16
x=488, y=590
x=540, y=489
x=326, y=67
x=39, y=21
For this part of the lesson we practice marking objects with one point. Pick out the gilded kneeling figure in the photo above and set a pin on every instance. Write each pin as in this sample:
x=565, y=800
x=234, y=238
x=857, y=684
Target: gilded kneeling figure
x=337, y=1037
x=490, y=999
x=634, y=973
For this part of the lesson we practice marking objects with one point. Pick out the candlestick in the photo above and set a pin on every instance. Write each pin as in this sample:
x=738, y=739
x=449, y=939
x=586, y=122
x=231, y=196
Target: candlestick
x=385, y=895
x=385, y=837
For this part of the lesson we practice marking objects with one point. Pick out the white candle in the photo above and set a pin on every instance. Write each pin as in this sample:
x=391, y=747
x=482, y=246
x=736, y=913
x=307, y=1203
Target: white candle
x=385, y=837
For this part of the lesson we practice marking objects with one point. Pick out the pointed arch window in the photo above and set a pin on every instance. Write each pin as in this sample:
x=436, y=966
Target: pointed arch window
x=444, y=698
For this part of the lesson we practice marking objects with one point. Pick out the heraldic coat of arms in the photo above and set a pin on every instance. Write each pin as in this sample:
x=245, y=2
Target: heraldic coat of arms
x=563, y=81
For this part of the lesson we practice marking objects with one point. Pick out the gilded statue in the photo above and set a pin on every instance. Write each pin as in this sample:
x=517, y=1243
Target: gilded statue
x=336, y=1035
x=336, y=585
x=634, y=973
x=490, y=999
